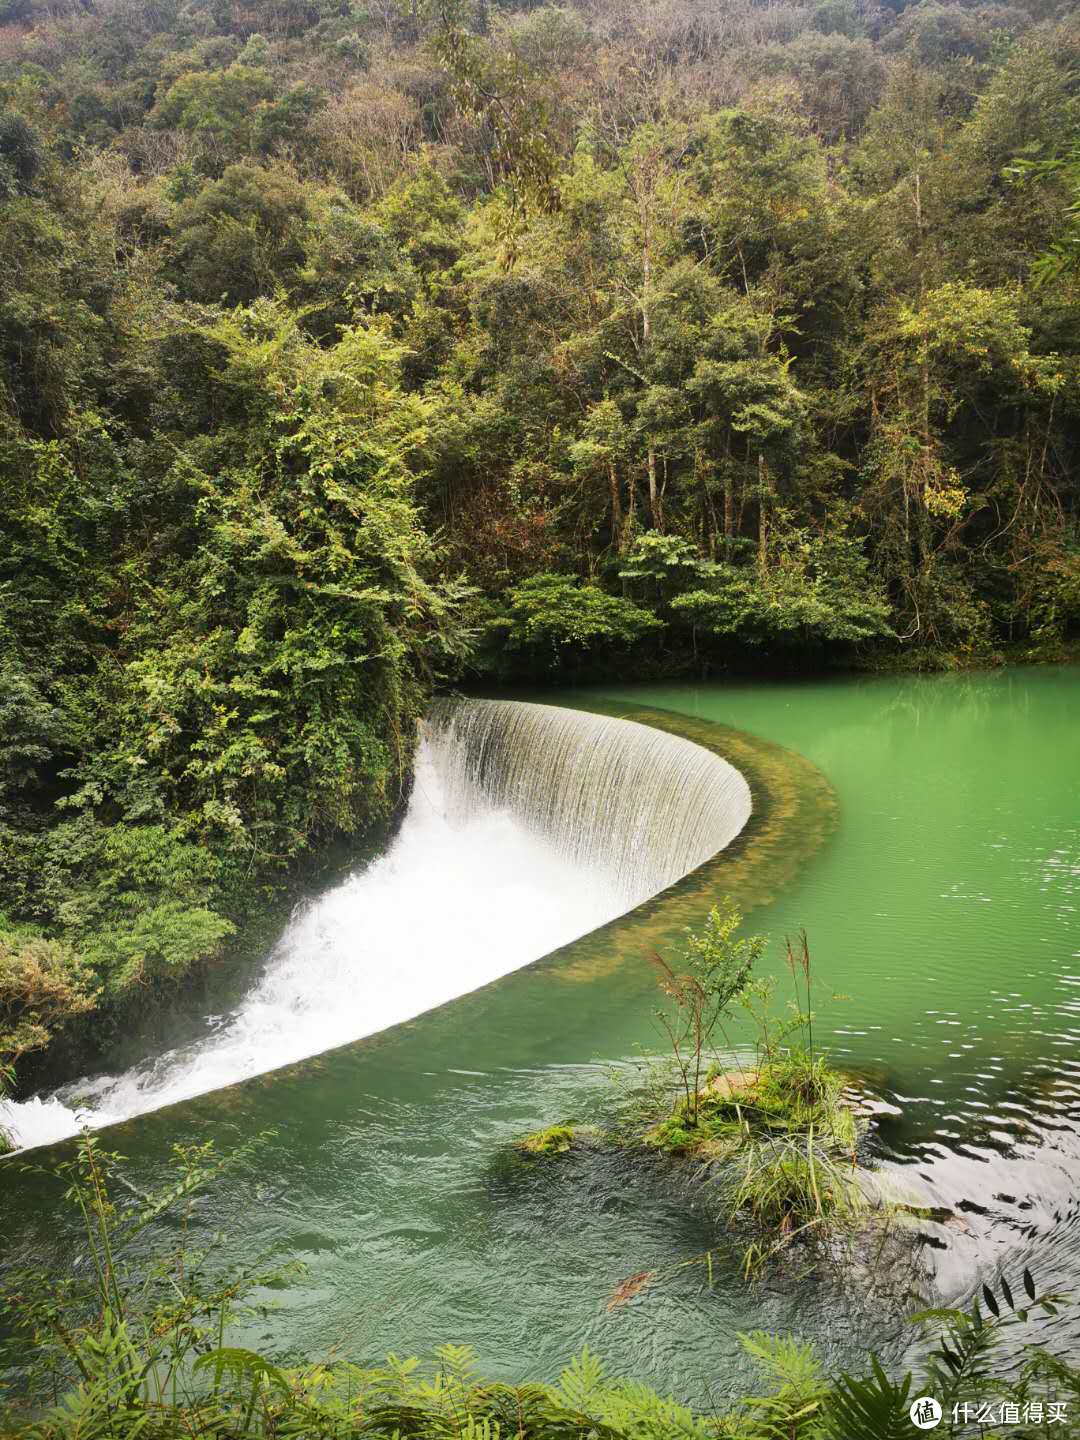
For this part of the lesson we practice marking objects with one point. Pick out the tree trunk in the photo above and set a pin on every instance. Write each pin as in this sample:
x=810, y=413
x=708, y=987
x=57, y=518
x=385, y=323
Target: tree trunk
x=729, y=504
x=763, y=512
x=655, y=511
x=616, y=508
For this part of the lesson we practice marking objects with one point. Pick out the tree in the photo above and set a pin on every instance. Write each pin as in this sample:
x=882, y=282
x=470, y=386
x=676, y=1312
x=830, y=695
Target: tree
x=811, y=591
x=716, y=969
x=556, y=617
x=223, y=107
x=938, y=364
x=241, y=236
x=603, y=451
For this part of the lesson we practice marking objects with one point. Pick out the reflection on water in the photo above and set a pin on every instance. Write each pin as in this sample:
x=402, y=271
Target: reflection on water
x=939, y=895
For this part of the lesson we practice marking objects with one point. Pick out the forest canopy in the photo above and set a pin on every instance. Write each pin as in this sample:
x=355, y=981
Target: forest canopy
x=347, y=349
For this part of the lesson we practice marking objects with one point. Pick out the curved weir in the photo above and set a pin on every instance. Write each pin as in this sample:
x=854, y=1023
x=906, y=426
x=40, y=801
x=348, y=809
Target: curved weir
x=566, y=816
x=637, y=805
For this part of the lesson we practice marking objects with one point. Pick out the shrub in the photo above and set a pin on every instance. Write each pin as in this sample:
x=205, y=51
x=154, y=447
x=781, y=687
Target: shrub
x=43, y=984
x=552, y=614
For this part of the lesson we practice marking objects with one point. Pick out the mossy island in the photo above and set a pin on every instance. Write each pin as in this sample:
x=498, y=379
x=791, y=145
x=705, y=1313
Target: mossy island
x=555, y=1140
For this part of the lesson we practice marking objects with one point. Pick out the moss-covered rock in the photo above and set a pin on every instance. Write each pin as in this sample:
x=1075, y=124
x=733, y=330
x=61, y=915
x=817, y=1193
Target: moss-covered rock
x=555, y=1140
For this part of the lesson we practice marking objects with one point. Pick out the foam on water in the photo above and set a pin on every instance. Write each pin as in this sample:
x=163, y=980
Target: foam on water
x=513, y=814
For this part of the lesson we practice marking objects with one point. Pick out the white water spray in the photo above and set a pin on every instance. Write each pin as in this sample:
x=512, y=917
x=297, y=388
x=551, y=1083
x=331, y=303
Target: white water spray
x=528, y=826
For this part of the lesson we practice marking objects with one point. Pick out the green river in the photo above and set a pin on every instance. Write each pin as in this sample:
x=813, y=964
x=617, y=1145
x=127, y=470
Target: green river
x=931, y=850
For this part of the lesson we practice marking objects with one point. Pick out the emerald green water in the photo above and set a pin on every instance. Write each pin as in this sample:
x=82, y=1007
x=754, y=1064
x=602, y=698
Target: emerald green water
x=939, y=890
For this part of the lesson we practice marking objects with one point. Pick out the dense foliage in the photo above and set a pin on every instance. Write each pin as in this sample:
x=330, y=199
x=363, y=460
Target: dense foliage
x=337, y=337
x=139, y=1348
x=221, y=613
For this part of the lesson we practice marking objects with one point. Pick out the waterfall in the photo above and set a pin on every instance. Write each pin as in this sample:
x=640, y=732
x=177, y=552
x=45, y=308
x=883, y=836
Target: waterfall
x=640, y=805
x=566, y=817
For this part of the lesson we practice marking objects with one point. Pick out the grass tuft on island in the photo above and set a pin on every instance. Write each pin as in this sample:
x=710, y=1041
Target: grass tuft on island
x=778, y=1147
x=794, y=1094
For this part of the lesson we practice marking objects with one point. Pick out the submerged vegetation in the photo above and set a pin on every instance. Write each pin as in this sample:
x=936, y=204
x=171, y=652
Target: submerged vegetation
x=127, y=1347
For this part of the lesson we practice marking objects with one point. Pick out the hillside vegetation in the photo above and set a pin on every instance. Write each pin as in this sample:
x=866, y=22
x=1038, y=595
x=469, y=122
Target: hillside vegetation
x=349, y=348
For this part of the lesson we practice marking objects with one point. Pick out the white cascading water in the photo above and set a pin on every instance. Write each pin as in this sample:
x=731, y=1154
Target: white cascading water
x=638, y=805
x=567, y=817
